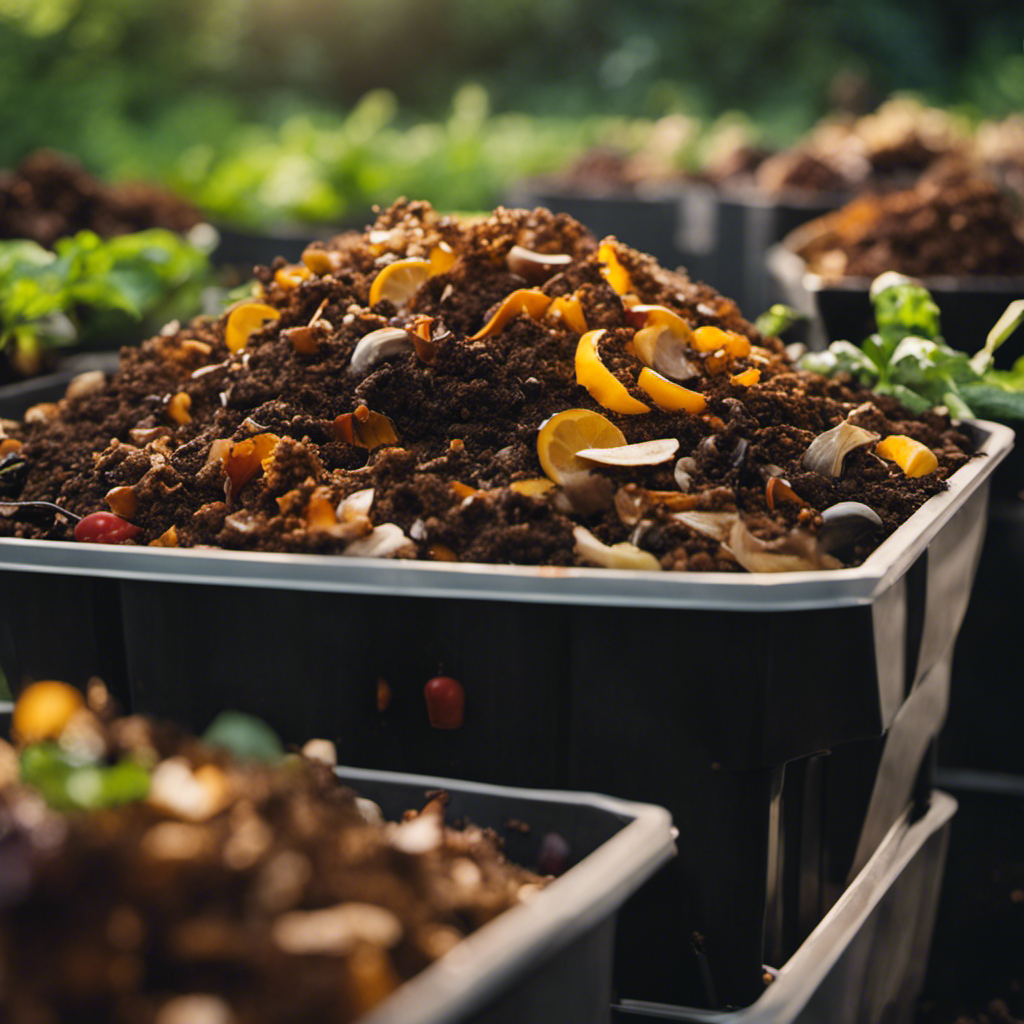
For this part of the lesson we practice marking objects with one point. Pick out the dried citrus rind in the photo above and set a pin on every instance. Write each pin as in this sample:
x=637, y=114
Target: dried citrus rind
x=612, y=269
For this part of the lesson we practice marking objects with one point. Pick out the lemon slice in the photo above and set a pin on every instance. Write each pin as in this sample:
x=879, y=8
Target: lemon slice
x=398, y=282
x=602, y=384
x=612, y=270
x=569, y=432
x=245, y=319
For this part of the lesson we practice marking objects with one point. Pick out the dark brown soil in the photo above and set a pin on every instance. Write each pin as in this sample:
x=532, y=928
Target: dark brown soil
x=952, y=223
x=112, y=916
x=469, y=417
x=49, y=196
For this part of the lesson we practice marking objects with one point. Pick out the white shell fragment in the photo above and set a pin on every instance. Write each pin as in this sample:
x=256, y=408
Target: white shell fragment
x=683, y=472
x=716, y=525
x=827, y=451
x=797, y=551
x=665, y=352
x=336, y=929
x=616, y=556
x=645, y=453
x=381, y=542
x=378, y=345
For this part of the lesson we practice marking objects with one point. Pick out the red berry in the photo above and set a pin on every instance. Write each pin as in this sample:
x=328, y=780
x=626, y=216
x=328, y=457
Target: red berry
x=105, y=528
x=446, y=702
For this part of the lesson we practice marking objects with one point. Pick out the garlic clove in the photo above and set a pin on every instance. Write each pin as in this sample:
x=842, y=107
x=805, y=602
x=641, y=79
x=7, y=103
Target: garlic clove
x=616, y=556
x=383, y=541
x=644, y=453
x=535, y=267
x=797, y=551
x=378, y=345
x=716, y=525
x=662, y=349
x=826, y=452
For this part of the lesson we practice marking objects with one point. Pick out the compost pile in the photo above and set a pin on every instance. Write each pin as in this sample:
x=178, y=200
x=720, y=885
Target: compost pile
x=952, y=223
x=422, y=391
x=49, y=196
x=890, y=147
x=151, y=878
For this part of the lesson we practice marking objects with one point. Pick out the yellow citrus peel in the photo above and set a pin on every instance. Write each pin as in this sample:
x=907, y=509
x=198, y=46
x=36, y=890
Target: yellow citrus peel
x=612, y=269
x=748, y=378
x=530, y=301
x=914, y=458
x=592, y=374
x=710, y=339
x=531, y=487
x=43, y=710
x=398, y=282
x=566, y=309
x=668, y=395
x=442, y=259
x=245, y=319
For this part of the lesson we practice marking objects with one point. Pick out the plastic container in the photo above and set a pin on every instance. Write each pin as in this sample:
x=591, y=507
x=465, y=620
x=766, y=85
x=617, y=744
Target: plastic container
x=749, y=223
x=244, y=249
x=841, y=308
x=865, y=962
x=692, y=691
x=548, y=961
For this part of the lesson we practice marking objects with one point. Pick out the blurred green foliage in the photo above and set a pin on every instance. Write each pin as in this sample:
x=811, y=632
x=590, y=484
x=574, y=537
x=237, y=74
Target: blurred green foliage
x=254, y=105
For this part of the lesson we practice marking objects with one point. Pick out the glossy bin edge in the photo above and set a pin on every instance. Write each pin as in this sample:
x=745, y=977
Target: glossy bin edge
x=492, y=959
x=793, y=591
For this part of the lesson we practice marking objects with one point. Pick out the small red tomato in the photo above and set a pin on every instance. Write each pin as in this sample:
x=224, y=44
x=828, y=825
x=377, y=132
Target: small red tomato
x=446, y=702
x=105, y=528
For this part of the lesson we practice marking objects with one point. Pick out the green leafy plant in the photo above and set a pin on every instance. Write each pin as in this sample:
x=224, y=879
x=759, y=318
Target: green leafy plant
x=908, y=358
x=90, y=291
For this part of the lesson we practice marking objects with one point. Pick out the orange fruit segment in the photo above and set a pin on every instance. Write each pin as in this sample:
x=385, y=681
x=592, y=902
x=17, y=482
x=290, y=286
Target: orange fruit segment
x=669, y=396
x=711, y=339
x=530, y=301
x=914, y=458
x=592, y=374
x=398, y=282
x=612, y=269
x=245, y=319
x=569, y=432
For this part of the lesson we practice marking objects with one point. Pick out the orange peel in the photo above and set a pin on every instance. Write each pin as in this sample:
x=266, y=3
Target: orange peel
x=748, y=378
x=530, y=301
x=602, y=384
x=244, y=320
x=669, y=396
x=442, y=259
x=914, y=458
x=612, y=269
x=531, y=487
x=568, y=310
x=710, y=339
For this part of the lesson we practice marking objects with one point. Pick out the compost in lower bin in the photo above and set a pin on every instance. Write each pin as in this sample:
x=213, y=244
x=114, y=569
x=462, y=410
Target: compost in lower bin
x=501, y=389
x=140, y=861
